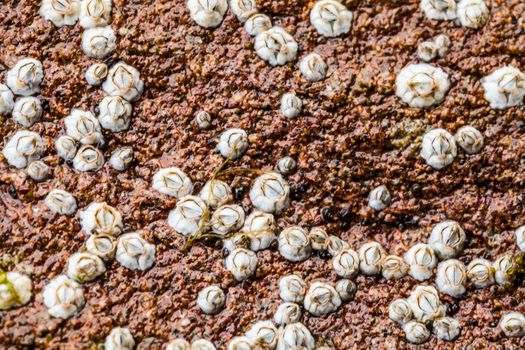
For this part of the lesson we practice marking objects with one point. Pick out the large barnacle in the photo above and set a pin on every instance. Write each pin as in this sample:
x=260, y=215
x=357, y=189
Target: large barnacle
x=121, y=158
x=270, y=193
x=6, y=100
x=295, y=336
x=393, y=267
x=207, y=13
x=422, y=85
x=243, y=9
x=37, y=170
x=15, y=289
x=66, y=147
x=61, y=202
x=233, y=143
x=346, y=289
x=119, y=339
x=370, y=256
x=25, y=77
x=102, y=245
x=292, y=288
x=470, y=139
x=447, y=239
x=260, y=228
x=101, y=218
x=202, y=344
x=88, y=158
x=242, y=263
x=216, y=193
x=294, y=243
x=240, y=343
x=60, y=12
x=291, y=105
x=446, y=328
x=227, y=218
x=124, y=80
x=421, y=260
x=334, y=245
x=85, y=267
x=473, y=13
x=438, y=148
x=95, y=13
x=425, y=304
x=27, y=111
x=276, y=46
x=134, y=252
x=63, y=297
x=96, y=73
x=23, y=148
x=451, y=278
x=172, y=182
x=330, y=18
x=257, y=24
x=187, y=216
x=502, y=266
x=416, y=332
x=346, y=263
x=179, y=344
x=399, y=310
x=84, y=127
x=379, y=198
x=505, y=87
x=520, y=237
x=321, y=299
x=481, y=273
x=313, y=67
x=439, y=9
x=287, y=313
x=211, y=299
x=99, y=42
x=513, y=324
x=115, y=113
x=263, y=334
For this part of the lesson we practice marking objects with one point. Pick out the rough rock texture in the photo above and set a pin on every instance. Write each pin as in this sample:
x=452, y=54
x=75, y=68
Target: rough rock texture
x=353, y=135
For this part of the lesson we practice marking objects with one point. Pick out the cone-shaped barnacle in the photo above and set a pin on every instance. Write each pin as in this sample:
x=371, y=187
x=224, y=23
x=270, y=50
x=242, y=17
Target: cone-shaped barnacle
x=96, y=73
x=257, y=24
x=520, y=237
x=291, y=105
x=334, y=245
x=123, y=80
x=319, y=238
x=294, y=243
x=25, y=77
x=513, y=324
x=370, y=256
x=172, y=182
x=202, y=344
x=66, y=147
x=287, y=313
x=84, y=267
x=115, y=113
x=276, y=46
x=101, y=218
x=446, y=328
x=399, y=311
x=186, y=218
x=240, y=343
x=121, y=158
x=216, y=193
x=480, y=273
x=179, y=344
x=330, y=18
x=427, y=51
x=442, y=43
x=134, y=252
x=119, y=339
x=425, y=304
x=313, y=67
x=286, y=165
x=260, y=229
x=451, y=278
x=27, y=111
x=23, y=148
x=60, y=12
x=211, y=299
x=227, y=218
x=233, y=143
x=236, y=241
x=243, y=9
x=346, y=289
x=263, y=334
x=242, y=263
x=270, y=193
x=421, y=260
x=439, y=9
x=321, y=299
x=502, y=266
x=61, y=202
x=470, y=139
x=207, y=13
x=295, y=336
x=99, y=42
x=379, y=198
x=346, y=263
x=102, y=245
x=505, y=87
x=292, y=288
x=15, y=289
x=438, y=148
x=447, y=239
x=95, y=13
x=422, y=85
x=393, y=267
x=84, y=127
x=63, y=297
x=473, y=13
x=88, y=158
x=416, y=332
x=37, y=170
x=6, y=100
x=203, y=120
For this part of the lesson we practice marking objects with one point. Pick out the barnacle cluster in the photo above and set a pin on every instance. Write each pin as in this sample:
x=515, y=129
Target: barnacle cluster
x=438, y=47
x=15, y=289
x=422, y=85
x=469, y=13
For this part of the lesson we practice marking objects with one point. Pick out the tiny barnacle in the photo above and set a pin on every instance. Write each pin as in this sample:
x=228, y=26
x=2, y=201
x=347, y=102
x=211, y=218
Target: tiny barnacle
x=439, y=9
x=294, y=244
x=134, y=252
x=66, y=147
x=172, y=182
x=187, y=216
x=27, y=111
x=370, y=256
x=123, y=80
x=446, y=328
x=346, y=263
x=295, y=336
x=101, y=218
x=276, y=46
x=330, y=18
x=233, y=143
x=286, y=165
x=25, y=77
x=270, y=193
x=61, y=202
x=399, y=311
x=425, y=304
x=202, y=344
x=321, y=299
x=442, y=43
x=119, y=339
x=447, y=239
x=438, y=148
x=505, y=87
x=292, y=288
x=422, y=85
x=99, y=42
x=6, y=100
x=85, y=267
x=427, y=51
x=513, y=324
x=263, y=334
x=501, y=267
x=60, y=12
x=179, y=344
x=473, y=13
x=346, y=289
x=23, y=148
x=470, y=139
x=63, y=297
x=96, y=73
x=451, y=278
x=291, y=105
x=37, y=170
x=15, y=289
x=88, y=158
x=379, y=198
x=313, y=67
x=520, y=237
x=421, y=260
x=259, y=228
x=393, y=267
x=102, y=245
x=203, y=120
x=211, y=299
x=95, y=13
x=481, y=273
x=257, y=24
x=242, y=263
x=239, y=343
x=319, y=238
x=227, y=218
x=84, y=127
x=243, y=9
x=115, y=113
x=121, y=158
x=207, y=13
x=416, y=332
x=287, y=313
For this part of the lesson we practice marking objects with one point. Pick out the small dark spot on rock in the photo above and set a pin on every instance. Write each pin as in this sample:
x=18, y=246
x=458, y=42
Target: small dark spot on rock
x=452, y=308
x=13, y=192
x=326, y=213
x=238, y=192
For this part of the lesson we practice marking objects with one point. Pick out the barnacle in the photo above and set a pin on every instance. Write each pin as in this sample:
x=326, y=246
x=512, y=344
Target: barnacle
x=257, y=24
x=422, y=85
x=60, y=12
x=27, y=111
x=119, y=339
x=84, y=127
x=443, y=44
x=242, y=263
x=243, y=9
x=334, y=245
x=399, y=311
x=291, y=105
x=236, y=241
x=187, y=216
x=84, y=267
x=294, y=243
x=179, y=344
x=61, y=202
x=233, y=143
x=259, y=228
x=63, y=297
x=216, y=193
x=346, y=263
x=427, y=51
x=99, y=42
x=96, y=73
x=15, y=289
x=481, y=273
x=276, y=46
x=263, y=334
x=447, y=239
x=393, y=267
x=240, y=343
x=211, y=299
x=121, y=158
x=286, y=165
x=88, y=158
x=505, y=87
x=379, y=198
x=37, y=170
x=446, y=328
x=287, y=313
x=6, y=100
x=101, y=218
x=318, y=237
x=23, y=148
x=502, y=266
x=416, y=332
x=470, y=139
x=473, y=13
x=102, y=245
x=25, y=77
x=330, y=18
x=134, y=252
x=438, y=148
x=295, y=336
x=346, y=289
x=207, y=13
x=421, y=260
x=321, y=299
x=425, y=304
x=202, y=344
x=439, y=9
x=115, y=113
x=203, y=120
x=313, y=67
x=451, y=278
x=370, y=256
x=513, y=324
x=123, y=80
x=292, y=288
x=270, y=193
x=520, y=237
x=227, y=218
x=95, y=13
x=66, y=147
x=172, y=182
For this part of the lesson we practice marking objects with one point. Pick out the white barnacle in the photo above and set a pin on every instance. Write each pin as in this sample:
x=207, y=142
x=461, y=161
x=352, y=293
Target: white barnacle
x=416, y=332
x=242, y=263
x=473, y=13
x=88, y=158
x=438, y=148
x=66, y=147
x=61, y=202
x=123, y=80
x=227, y=218
x=313, y=67
x=446, y=328
x=270, y=193
x=23, y=148
x=286, y=165
x=287, y=313
x=37, y=170
x=451, y=278
x=334, y=245
x=470, y=139
x=442, y=43
x=447, y=239
x=95, y=13
x=318, y=237
x=172, y=182
x=60, y=12
x=263, y=334
x=295, y=336
x=63, y=297
x=399, y=311
x=370, y=256
x=425, y=304
x=202, y=344
x=421, y=260
x=520, y=237
x=179, y=344
x=25, y=77
x=27, y=111
x=101, y=218
x=259, y=228
x=115, y=113
x=321, y=299
x=15, y=290
x=121, y=158
x=84, y=267
x=99, y=42
x=291, y=105
x=211, y=299
x=294, y=243
x=346, y=289
x=257, y=24
x=216, y=193
x=233, y=143
x=292, y=288
x=439, y=9
x=6, y=100
x=207, y=13
x=346, y=263
x=393, y=267
x=187, y=216
x=276, y=46
x=502, y=266
x=379, y=198
x=102, y=245
x=513, y=324
x=203, y=120
x=505, y=87
x=134, y=252
x=427, y=51
x=119, y=339
x=96, y=73
x=330, y=18
x=422, y=85
x=236, y=241
x=243, y=9
x=84, y=127
x=240, y=343
x=481, y=273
